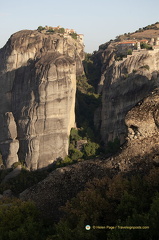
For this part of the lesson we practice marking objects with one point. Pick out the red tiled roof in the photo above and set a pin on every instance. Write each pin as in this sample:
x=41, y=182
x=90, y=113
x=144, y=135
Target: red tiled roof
x=143, y=40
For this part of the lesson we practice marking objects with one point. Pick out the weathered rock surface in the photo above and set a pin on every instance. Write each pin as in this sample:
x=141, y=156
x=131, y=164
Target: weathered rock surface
x=12, y=174
x=142, y=148
x=37, y=96
x=123, y=84
x=9, y=145
x=139, y=155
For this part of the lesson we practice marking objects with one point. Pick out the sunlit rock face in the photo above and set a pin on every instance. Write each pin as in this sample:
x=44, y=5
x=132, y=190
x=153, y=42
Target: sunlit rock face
x=141, y=152
x=37, y=96
x=137, y=156
x=123, y=84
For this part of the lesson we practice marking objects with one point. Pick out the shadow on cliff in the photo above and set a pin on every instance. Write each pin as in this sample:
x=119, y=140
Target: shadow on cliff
x=119, y=97
x=20, y=89
x=86, y=105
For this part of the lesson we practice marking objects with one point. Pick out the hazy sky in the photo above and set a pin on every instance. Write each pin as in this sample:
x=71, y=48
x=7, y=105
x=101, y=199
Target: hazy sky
x=98, y=20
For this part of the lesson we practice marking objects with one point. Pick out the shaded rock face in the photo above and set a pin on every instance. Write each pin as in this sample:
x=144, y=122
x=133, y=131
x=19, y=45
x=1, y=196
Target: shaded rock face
x=125, y=83
x=9, y=144
x=37, y=97
x=142, y=149
x=139, y=155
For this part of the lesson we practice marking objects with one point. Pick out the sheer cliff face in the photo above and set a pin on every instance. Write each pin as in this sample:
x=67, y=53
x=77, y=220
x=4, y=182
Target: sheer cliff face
x=37, y=97
x=139, y=155
x=142, y=149
x=125, y=83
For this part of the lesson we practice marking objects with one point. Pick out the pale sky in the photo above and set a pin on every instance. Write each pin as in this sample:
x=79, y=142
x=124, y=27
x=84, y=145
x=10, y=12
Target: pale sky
x=98, y=20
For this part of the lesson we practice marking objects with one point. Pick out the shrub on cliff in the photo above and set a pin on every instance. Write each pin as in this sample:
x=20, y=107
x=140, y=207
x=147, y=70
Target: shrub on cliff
x=146, y=46
x=61, y=30
x=50, y=31
x=63, y=162
x=129, y=52
x=40, y=28
x=87, y=149
x=75, y=154
x=74, y=35
x=91, y=149
x=74, y=135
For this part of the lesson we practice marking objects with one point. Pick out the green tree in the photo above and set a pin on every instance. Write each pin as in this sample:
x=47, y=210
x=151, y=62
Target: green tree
x=91, y=149
x=74, y=135
x=51, y=30
x=61, y=30
x=40, y=28
x=129, y=52
x=74, y=35
x=135, y=220
x=64, y=162
x=19, y=220
x=75, y=154
x=120, y=201
x=146, y=46
x=127, y=205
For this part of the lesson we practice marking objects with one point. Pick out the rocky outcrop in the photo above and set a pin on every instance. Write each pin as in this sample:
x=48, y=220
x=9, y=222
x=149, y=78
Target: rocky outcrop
x=139, y=155
x=124, y=83
x=37, y=96
x=141, y=151
x=9, y=144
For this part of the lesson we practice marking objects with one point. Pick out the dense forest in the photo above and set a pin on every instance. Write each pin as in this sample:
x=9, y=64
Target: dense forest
x=124, y=201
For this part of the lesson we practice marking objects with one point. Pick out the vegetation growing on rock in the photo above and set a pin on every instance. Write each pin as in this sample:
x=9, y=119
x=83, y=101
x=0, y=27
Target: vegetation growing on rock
x=126, y=199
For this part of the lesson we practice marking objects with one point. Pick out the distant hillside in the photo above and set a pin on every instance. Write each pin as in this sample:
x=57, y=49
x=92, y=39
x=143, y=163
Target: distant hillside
x=150, y=31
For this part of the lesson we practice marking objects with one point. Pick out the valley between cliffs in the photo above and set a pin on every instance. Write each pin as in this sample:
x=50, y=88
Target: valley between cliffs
x=38, y=76
x=138, y=156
